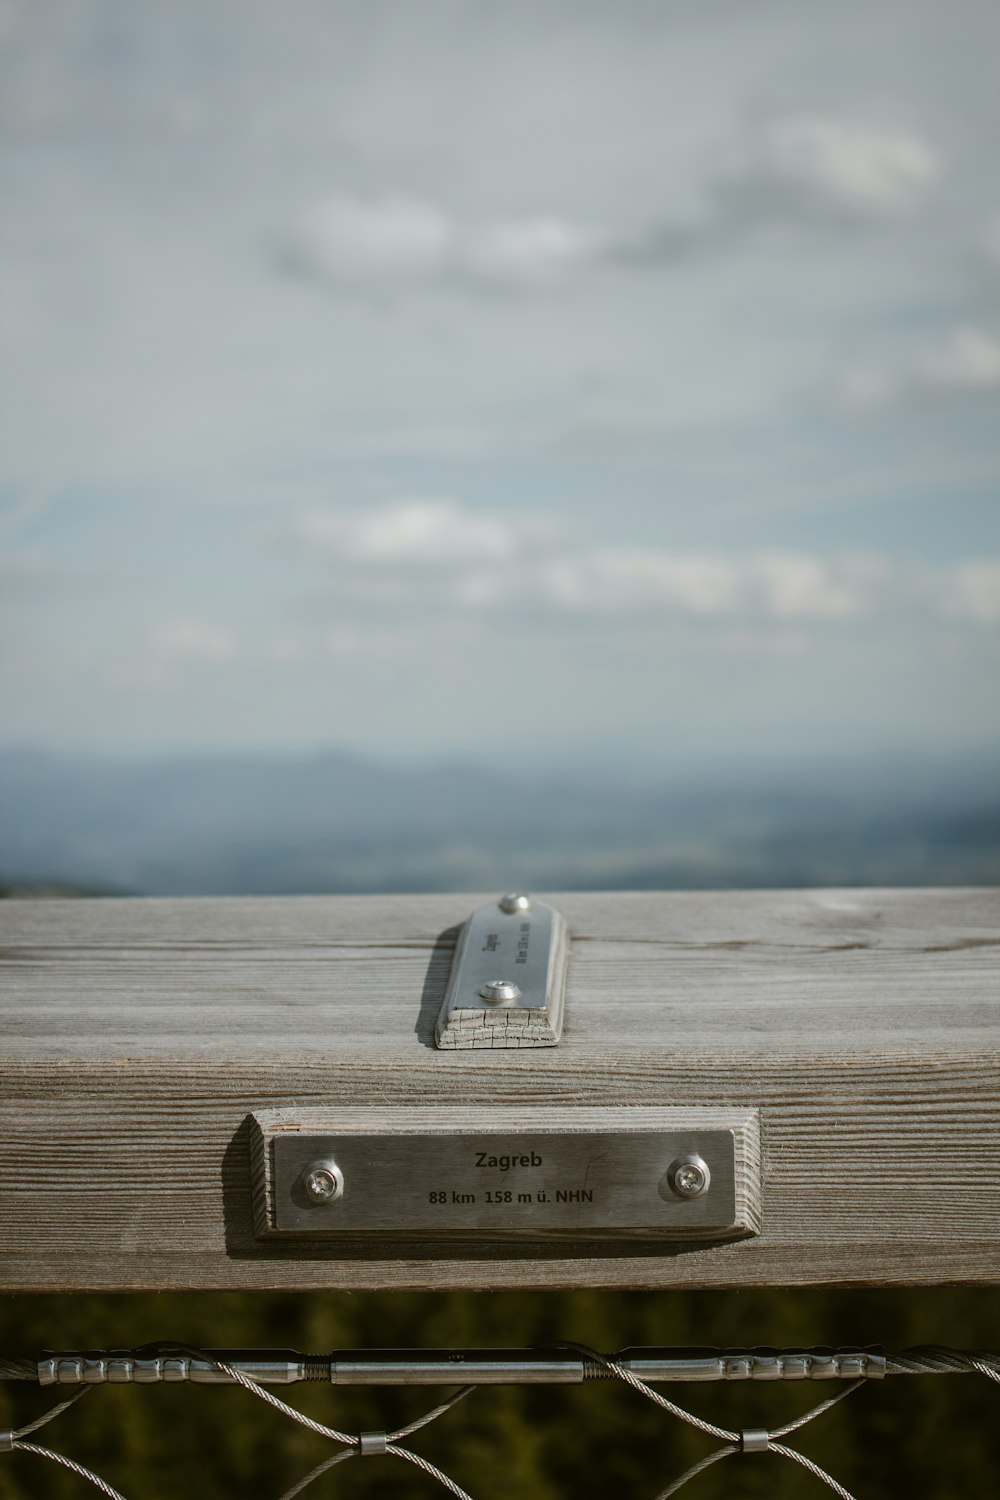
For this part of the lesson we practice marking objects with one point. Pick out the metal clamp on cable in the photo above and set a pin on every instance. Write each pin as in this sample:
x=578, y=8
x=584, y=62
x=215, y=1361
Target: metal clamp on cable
x=373, y=1444
x=6, y=1442
x=755, y=1440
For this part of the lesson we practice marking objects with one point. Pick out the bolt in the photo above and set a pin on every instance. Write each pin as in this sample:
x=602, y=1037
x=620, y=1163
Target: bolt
x=500, y=991
x=512, y=903
x=689, y=1176
x=323, y=1182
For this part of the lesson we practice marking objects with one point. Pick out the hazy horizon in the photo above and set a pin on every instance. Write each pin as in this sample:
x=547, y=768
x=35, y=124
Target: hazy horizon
x=336, y=821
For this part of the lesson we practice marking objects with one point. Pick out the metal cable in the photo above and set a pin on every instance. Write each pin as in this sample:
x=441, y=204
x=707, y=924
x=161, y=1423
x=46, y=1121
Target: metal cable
x=816, y=1411
x=736, y=1442
x=328, y=1463
x=338, y=1458
x=936, y=1359
x=47, y=1416
x=354, y=1445
x=16, y=1444
x=608, y=1362
x=560, y=1364
x=703, y=1463
x=69, y=1463
x=923, y=1359
x=771, y=1447
x=926, y=1358
x=987, y=1369
x=677, y=1411
x=429, y=1416
x=814, y=1468
x=289, y=1411
x=429, y=1468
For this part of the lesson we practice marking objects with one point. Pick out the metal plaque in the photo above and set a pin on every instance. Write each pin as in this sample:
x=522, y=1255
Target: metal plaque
x=508, y=978
x=675, y=1183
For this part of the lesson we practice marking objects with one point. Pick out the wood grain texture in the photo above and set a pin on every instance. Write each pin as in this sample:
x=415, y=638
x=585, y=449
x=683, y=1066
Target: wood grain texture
x=136, y=1037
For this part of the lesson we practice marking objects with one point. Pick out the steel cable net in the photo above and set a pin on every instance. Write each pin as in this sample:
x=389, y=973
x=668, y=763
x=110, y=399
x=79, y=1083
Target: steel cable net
x=561, y=1364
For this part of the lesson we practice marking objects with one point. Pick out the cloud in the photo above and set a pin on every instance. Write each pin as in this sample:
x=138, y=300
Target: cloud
x=782, y=586
x=23, y=514
x=180, y=641
x=992, y=239
x=343, y=642
x=374, y=242
x=776, y=588
x=962, y=364
x=973, y=592
x=529, y=564
x=868, y=388
x=532, y=252
x=789, y=586
x=416, y=531
x=611, y=580
x=968, y=360
x=794, y=170
x=811, y=165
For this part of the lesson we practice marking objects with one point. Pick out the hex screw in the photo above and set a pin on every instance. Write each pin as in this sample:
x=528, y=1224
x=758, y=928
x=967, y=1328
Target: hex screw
x=500, y=991
x=323, y=1182
x=513, y=902
x=689, y=1176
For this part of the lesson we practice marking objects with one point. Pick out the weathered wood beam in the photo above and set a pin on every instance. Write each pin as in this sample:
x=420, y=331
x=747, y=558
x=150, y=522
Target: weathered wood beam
x=138, y=1037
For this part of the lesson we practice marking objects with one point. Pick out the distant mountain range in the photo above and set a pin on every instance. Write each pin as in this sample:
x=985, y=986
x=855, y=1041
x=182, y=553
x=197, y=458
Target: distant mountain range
x=337, y=822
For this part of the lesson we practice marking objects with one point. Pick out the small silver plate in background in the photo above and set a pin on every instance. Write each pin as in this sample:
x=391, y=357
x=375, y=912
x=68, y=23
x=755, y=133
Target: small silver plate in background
x=508, y=978
x=646, y=1173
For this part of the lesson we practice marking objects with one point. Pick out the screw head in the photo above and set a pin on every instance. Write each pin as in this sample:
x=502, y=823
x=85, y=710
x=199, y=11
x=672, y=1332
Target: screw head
x=689, y=1176
x=513, y=902
x=323, y=1182
x=500, y=991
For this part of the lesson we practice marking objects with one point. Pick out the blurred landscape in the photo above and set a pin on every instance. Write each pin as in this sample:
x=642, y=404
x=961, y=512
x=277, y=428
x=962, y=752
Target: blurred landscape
x=338, y=822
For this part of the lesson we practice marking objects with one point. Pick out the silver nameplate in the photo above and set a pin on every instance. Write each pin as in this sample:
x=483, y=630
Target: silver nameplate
x=634, y=1177
x=508, y=978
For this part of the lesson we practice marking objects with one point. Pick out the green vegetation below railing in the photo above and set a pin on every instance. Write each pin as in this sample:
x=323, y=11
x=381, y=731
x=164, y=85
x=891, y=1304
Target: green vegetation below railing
x=930, y=1439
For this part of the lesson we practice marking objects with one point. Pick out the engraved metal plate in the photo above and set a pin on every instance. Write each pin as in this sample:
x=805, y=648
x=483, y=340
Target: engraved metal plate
x=508, y=978
x=606, y=1173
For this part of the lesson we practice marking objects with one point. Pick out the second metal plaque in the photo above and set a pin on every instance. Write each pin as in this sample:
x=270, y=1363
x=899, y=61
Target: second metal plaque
x=508, y=978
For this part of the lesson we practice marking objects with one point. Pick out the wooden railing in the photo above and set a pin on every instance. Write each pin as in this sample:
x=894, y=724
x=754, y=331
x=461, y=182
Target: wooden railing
x=138, y=1037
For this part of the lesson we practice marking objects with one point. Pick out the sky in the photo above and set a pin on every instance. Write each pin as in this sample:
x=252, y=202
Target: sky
x=523, y=380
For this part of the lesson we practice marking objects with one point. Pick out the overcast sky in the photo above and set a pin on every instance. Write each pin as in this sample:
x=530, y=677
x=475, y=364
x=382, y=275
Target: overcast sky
x=512, y=379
